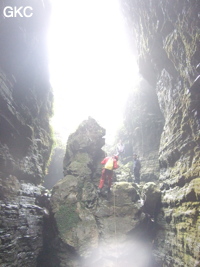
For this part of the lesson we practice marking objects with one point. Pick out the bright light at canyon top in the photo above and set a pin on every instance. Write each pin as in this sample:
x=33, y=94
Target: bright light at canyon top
x=92, y=65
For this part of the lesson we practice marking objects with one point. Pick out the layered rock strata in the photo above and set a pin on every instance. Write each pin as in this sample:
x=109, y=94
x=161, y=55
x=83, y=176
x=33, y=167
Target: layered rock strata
x=167, y=34
x=21, y=224
x=25, y=135
x=25, y=95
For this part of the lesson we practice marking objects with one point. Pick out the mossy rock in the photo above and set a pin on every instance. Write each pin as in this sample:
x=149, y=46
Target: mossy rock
x=64, y=191
x=89, y=195
x=79, y=169
x=77, y=228
x=124, y=193
x=193, y=190
x=152, y=196
x=66, y=218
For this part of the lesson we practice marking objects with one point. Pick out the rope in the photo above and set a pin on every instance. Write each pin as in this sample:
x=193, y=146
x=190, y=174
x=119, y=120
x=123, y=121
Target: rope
x=114, y=207
x=115, y=224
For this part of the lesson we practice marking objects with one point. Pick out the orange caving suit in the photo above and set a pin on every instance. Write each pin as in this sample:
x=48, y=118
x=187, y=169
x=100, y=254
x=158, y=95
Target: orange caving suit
x=107, y=174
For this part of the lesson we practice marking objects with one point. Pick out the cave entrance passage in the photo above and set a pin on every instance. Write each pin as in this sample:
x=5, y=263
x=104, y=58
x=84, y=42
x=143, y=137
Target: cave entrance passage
x=92, y=64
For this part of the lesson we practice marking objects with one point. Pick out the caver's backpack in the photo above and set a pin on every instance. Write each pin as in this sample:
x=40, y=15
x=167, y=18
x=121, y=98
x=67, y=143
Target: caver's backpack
x=109, y=164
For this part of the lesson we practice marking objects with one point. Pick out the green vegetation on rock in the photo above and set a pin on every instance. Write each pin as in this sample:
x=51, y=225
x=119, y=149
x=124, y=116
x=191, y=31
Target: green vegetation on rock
x=66, y=218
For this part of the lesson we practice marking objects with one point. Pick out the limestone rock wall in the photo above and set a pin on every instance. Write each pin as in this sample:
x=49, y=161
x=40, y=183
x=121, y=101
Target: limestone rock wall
x=21, y=224
x=143, y=125
x=167, y=34
x=25, y=95
x=25, y=135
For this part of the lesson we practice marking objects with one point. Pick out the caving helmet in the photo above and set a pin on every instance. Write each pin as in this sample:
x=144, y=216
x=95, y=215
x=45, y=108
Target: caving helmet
x=116, y=157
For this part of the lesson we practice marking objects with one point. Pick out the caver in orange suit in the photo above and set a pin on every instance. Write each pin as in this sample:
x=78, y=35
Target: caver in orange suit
x=107, y=172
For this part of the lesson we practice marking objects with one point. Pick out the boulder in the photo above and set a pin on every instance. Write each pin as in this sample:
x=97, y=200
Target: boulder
x=90, y=226
x=152, y=198
x=75, y=196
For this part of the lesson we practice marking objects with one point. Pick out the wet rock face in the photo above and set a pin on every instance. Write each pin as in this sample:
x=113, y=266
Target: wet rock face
x=21, y=225
x=25, y=136
x=151, y=195
x=143, y=125
x=169, y=56
x=93, y=228
x=25, y=95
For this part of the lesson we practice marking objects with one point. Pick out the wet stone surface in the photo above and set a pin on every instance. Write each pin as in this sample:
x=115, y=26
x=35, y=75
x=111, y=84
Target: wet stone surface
x=21, y=228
